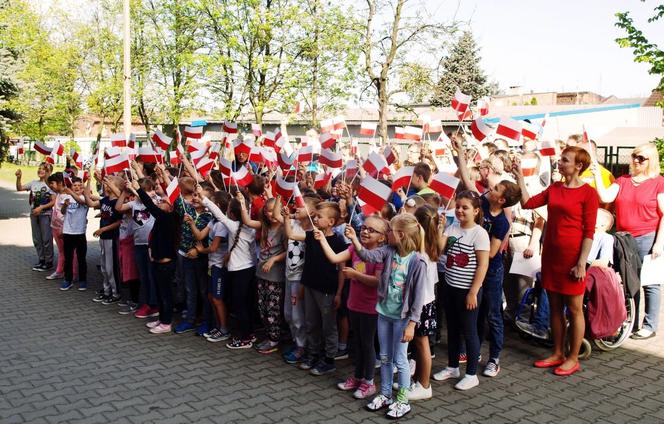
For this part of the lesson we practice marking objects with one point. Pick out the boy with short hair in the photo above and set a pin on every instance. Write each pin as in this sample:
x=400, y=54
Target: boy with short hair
x=75, y=210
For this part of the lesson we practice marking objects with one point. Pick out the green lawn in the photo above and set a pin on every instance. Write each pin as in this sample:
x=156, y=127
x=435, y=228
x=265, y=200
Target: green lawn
x=7, y=171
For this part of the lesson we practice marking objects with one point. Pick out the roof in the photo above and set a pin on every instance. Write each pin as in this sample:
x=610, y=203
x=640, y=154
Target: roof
x=655, y=97
x=630, y=136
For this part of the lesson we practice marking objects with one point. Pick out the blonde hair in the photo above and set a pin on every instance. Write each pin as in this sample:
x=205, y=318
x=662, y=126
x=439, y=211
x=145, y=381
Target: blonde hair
x=648, y=150
x=413, y=233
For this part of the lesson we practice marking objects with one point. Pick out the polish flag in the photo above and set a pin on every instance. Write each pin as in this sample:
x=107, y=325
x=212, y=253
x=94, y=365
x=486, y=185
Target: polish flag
x=402, y=177
x=330, y=158
x=327, y=141
x=58, y=149
x=326, y=125
x=268, y=139
x=368, y=129
x=434, y=126
x=193, y=145
x=284, y=188
x=42, y=148
x=241, y=146
x=256, y=130
x=174, y=158
x=399, y=133
x=444, y=184
x=297, y=108
x=118, y=140
x=413, y=133
x=353, y=146
x=173, y=190
x=242, y=177
x=437, y=148
x=204, y=166
x=389, y=155
x=215, y=149
x=19, y=148
x=305, y=154
x=547, y=148
x=146, y=154
x=480, y=129
x=374, y=164
x=132, y=141
x=225, y=166
x=111, y=152
x=230, y=127
x=116, y=164
x=529, y=167
x=286, y=161
x=339, y=122
x=444, y=138
x=510, y=129
x=530, y=130
x=193, y=132
x=281, y=142
x=297, y=197
x=337, y=133
x=352, y=168
x=460, y=102
x=198, y=155
x=52, y=158
x=322, y=179
x=483, y=107
x=161, y=140
x=468, y=114
x=374, y=194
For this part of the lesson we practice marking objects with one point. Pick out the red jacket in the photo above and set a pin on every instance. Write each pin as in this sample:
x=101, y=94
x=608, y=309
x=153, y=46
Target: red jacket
x=606, y=302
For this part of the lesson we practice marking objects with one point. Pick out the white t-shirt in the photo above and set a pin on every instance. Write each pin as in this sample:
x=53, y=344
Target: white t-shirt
x=126, y=227
x=76, y=218
x=295, y=254
x=602, y=248
x=217, y=229
x=461, y=258
x=432, y=279
x=143, y=221
x=40, y=194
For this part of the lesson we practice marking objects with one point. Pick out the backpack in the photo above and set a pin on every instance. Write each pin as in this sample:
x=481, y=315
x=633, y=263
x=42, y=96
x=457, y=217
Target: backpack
x=627, y=262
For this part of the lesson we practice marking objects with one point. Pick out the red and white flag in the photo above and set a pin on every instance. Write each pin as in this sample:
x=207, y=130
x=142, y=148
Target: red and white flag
x=204, y=166
x=529, y=167
x=330, y=158
x=399, y=133
x=19, y=147
x=305, y=154
x=173, y=190
x=193, y=145
x=193, y=132
x=146, y=154
x=42, y=148
x=468, y=114
x=230, y=127
x=175, y=159
x=374, y=194
x=161, y=140
x=402, y=177
x=510, y=129
x=547, y=148
x=225, y=166
x=116, y=164
x=339, y=122
x=111, y=152
x=530, y=130
x=413, y=133
x=322, y=179
x=483, y=107
x=389, y=155
x=444, y=184
x=433, y=126
x=268, y=139
x=326, y=125
x=352, y=167
x=353, y=146
x=58, y=149
x=131, y=143
x=284, y=188
x=368, y=129
x=438, y=148
x=327, y=141
x=280, y=141
x=480, y=129
x=286, y=161
x=198, y=155
x=297, y=197
x=214, y=150
x=460, y=102
x=586, y=139
x=256, y=130
x=242, y=177
x=374, y=164
x=118, y=140
x=242, y=146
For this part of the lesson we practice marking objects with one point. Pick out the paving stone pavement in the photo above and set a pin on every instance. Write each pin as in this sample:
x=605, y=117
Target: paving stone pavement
x=66, y=359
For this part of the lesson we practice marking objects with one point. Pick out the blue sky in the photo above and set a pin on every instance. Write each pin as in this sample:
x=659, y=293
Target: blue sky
x=558, y=45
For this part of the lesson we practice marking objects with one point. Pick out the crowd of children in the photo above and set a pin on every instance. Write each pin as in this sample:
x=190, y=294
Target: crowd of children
x=307, y=270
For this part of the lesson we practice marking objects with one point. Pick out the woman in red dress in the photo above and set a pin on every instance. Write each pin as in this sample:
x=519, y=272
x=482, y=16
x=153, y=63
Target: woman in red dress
x=572, y=211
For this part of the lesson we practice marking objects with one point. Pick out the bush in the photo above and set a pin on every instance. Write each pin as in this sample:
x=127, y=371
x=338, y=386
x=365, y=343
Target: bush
x=659, y=142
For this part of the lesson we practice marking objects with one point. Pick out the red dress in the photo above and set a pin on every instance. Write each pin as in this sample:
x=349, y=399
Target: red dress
x=572, y=213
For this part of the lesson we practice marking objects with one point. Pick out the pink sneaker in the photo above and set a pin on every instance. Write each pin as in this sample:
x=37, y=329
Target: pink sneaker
x=161, y=329
x=364, y=391
x=142, y=312
x=351, y=383
x=153, y=312
x=152, y=324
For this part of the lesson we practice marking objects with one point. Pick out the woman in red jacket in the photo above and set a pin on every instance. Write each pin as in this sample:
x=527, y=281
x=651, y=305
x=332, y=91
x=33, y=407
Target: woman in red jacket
x=572, y=212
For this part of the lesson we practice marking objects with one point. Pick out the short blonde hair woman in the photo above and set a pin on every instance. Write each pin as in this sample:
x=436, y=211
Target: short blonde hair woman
x=639, y=201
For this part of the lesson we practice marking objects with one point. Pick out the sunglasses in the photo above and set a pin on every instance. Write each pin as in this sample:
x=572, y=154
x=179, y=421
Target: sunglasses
x=370, y=230
x=639, y=158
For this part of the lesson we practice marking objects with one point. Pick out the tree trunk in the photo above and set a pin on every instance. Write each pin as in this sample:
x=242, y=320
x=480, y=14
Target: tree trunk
x=383, y=103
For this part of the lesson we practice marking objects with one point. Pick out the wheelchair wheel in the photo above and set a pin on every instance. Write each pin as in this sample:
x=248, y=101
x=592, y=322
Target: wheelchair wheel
x=584, y=351
x=612, y=342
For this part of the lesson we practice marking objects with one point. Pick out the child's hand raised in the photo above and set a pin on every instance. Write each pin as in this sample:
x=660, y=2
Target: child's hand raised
x=318, y=234
x=349, y=232
x=240, y=198
x=18, y=173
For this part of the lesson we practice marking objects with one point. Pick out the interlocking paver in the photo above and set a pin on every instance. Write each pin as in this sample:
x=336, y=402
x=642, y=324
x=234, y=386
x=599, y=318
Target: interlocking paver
x=64, y=358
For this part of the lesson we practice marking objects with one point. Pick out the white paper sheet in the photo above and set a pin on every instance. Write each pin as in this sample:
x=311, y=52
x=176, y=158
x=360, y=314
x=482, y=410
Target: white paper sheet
x=528, y=267
x=652, y=271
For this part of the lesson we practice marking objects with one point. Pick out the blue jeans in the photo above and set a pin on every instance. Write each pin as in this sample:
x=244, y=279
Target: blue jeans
x=392, y=352
x=196, y=284
x=541, y=319
x=491, y=312
x=147, y=294
x=653, y=293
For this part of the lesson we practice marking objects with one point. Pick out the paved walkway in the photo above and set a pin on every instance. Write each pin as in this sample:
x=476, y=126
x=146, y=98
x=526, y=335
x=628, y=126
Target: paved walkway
x=64, y=358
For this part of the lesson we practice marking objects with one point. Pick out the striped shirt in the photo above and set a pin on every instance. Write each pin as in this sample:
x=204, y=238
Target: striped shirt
x=461, y=258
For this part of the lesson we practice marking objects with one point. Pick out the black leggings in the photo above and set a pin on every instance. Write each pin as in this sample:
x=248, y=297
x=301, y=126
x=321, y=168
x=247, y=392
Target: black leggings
x=363, y=327
x=461, y=322
x=163, y=277
x=75, y=243
x=241, y=299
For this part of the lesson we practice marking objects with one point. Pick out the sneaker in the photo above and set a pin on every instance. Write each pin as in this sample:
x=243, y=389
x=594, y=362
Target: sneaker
x=492, y=369
x=152, y=324
x=295, y=356
x=351, y=383
x=379, y=402
x=398, y=410
x=463, y=358
x=530, y=329
x=45, y=267
x=38, y=266
x=153, y=312
x=239, y=344
x=467, y=382
x=446, y=374
x=142, y=312
x=211, y=332
x=184, y=327
x=218, y=336
x=123, y=303
x=642, y=334
x=110, y=300
x=161, y=329
x=323, y=367
x=308, y=363
x=130, y=308
x=269, y=347
x=66, y=285
x=341, y=354
x=99, y=298
x=202, y=329
x=82, y=285
x=418, y=392
x=364, y=391
x=55, y=276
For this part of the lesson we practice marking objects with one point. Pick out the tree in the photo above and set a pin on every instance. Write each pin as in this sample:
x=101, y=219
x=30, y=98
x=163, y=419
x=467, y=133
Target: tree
x=461, y=69
x=644, y=51
x=8, y=88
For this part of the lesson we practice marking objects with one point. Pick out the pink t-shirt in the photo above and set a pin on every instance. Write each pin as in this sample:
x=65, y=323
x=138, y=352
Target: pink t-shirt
x=362, y=298
x=636, y=206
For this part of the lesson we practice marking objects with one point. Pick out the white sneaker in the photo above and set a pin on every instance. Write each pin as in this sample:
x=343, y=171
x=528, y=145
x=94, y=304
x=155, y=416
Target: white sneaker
x=152, y=324
x=161, y=329
x=399, y=410
x=418, y=392
x=492, y=369
x=467, y=382
x=379, y=402
x=446, y=374
x=55, y=276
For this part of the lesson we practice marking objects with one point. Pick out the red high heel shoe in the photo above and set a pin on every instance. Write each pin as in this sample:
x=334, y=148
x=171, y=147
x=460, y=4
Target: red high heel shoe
x=563, y=373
